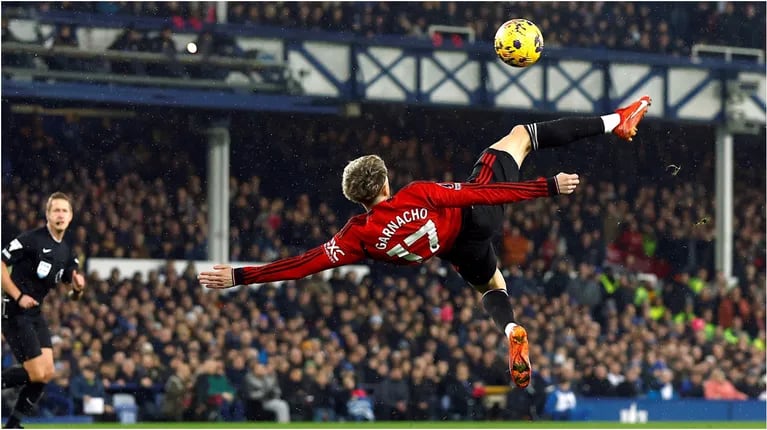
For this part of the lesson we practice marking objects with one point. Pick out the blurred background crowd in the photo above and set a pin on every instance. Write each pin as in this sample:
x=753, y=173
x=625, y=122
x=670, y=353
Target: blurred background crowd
x=670, y=28
x=615, y=284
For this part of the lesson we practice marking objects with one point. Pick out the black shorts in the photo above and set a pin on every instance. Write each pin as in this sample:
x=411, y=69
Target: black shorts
x=26, y=335
x=473, y=253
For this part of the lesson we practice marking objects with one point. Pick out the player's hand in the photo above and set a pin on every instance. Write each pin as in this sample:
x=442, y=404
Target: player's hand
x=567, y=182
x=27, y=301
x=222, y=276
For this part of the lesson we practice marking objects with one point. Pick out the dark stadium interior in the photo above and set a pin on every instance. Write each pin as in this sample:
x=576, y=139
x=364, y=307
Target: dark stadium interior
x=575, y=265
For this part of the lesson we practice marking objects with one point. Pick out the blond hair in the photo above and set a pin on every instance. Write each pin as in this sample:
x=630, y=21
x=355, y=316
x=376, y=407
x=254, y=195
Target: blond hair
x=58, y=195
x=364, y=178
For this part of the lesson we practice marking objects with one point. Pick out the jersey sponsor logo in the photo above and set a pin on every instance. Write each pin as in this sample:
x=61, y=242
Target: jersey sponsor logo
x=333, y=251
x=43, y=269
x=47, y=250
x=404, y=218
x=15, y=244
x=450, y=185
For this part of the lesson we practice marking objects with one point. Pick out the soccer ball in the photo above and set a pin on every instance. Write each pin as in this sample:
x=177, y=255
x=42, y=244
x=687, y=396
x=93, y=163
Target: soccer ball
x=519, y=43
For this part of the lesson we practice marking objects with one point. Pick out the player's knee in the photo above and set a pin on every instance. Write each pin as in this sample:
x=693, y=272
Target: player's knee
x=480, y=288
x=497, y=284
x=516, y=143
x=519, y=134
x=519, y=139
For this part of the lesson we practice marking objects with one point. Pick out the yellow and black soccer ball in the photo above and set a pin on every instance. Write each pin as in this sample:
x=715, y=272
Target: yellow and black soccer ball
x=519, y=43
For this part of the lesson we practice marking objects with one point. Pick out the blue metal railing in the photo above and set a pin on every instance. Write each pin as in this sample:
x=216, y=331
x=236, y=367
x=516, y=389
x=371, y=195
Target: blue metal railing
x=338, y=68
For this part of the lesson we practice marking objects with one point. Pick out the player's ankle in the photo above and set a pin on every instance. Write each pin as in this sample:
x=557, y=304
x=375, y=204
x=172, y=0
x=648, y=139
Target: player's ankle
x=611, y=121
x=509, y=328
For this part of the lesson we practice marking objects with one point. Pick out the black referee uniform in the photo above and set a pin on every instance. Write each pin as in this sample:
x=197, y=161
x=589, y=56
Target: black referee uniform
x=38, y=263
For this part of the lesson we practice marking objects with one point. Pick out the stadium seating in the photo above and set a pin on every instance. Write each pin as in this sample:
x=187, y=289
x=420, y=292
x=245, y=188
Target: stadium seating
x=285, y=324
x=616, y=284
x=669, y=28
x=125, y=408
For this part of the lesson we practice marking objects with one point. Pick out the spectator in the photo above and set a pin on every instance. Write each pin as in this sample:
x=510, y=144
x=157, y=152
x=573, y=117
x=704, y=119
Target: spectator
x=717, y=387
x=584, y=288
x=85, y=387
x=177, y=398
x=212, y=393
x=392, y=397
x=261, y=386
x=323, y=407
x=692, y=386
x=297, y=392
x=131, y=40
x=515, y=247
x=561, y=404
x=751, y=385
x=164, y=44
x=558, y=281
x=459, y=403
x=359, y=406
x=631, y=386
x=665, y=390
x=64, y=36
x=422, y=394
x=597, y=385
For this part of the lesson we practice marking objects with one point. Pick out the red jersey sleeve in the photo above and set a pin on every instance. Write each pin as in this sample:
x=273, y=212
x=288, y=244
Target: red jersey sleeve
x=338, y=251
x=463, y=194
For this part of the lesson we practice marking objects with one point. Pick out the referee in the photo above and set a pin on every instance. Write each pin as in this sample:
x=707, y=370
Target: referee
x=40, y=259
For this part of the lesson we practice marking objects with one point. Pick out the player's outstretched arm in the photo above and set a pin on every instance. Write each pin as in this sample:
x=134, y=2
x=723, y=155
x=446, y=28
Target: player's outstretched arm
x=468, y=194
x=334, y=253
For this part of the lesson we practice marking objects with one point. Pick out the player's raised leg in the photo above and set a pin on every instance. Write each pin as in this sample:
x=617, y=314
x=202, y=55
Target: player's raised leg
x=495, y=300
x=548, y=134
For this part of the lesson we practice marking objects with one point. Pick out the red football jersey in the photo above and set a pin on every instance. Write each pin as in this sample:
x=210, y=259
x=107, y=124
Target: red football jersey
x=421, y=220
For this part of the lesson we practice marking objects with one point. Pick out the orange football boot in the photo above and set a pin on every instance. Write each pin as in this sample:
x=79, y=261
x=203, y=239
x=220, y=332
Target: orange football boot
x=519, y=360
x=630, y=117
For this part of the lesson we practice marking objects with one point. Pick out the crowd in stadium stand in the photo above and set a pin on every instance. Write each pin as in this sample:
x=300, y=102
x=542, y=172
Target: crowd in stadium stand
x=664, y=28
x=398, y=343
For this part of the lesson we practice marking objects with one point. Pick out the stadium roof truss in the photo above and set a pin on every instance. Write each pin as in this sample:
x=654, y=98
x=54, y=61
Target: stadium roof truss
x=331, y=70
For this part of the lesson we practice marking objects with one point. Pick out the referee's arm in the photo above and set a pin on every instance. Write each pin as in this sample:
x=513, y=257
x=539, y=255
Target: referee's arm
x=10, y=288
x=15, y=252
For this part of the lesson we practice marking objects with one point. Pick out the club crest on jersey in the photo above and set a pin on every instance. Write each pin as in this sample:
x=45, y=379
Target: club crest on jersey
x=43, y=269
x=333, y=251
x=450, y=185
